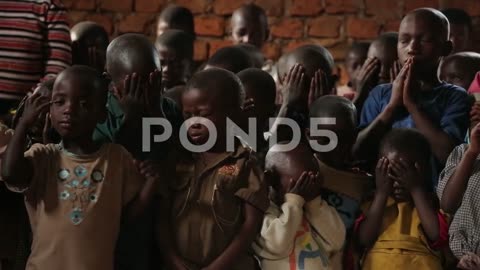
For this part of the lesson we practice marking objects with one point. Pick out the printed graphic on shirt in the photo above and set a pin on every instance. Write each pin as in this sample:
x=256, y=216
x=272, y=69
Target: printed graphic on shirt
x=310, y=249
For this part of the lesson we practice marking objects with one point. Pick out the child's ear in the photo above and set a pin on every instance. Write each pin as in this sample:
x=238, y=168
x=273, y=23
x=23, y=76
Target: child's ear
x=447, y=48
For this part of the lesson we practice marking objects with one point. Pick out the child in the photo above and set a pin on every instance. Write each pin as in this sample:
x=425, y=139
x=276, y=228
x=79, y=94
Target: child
x=217, y=197
x=259, y=103
x=460, y=29
x=344, y=188
x=460, y=68
x=354, y=60
x=417, y=98
x=255, y=54
x=300, y=230
x=232, y=58
x=381, y=67
x=175, y=48
x=89, y=45
x=175, y=17
x=458, y=192
x=74, y=198
x=250, y=25
x=402, y=229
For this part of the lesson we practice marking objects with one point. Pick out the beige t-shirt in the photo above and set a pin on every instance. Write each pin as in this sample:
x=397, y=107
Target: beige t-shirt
x=75, y=204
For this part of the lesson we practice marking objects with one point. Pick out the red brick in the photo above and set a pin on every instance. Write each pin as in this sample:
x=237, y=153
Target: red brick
x=414, y=4
x=321, y=42
x=75, y=17
x=324, y=26
x=209, y=26
x=200, y=50
x=195, y=6
x=116, y=5
x=149, y=5
x=338, y=52
x=288, y=28
x=104, y=20
x=79, y=5
x=292, y=45
x=392, y=26
x=135, y=22
x=362, y=28
x=341, y=6
x=472, y=7
x=226, y=7
x=305, y=7
x=326, y=42
x=383, y=9
x=218, y=44
x=271, y=7
x=271, y=50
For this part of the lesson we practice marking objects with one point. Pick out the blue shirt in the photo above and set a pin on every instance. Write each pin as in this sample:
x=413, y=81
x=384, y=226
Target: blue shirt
x=446, y=105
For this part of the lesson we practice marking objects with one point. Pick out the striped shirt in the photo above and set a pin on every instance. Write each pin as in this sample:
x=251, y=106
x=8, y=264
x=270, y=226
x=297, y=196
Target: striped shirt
x=34, y=44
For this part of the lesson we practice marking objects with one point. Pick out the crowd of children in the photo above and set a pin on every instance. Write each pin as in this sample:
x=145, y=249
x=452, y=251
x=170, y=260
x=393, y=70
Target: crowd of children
x=396, y=190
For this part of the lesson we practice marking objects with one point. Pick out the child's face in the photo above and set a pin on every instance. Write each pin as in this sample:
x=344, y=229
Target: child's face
x=290, y=170
x=346, y=133
x=174, y=67
x=75, y=109
x=460, y=36
x=453, y=72
x=353, y=63
x=161, y=27
x=197, y=103
x=387, y=57
x=417, y=39
x=245, y=30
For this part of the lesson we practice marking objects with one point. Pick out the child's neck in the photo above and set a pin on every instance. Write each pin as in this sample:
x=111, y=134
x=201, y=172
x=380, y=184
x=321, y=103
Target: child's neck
x=426, y=81
x=80, y=146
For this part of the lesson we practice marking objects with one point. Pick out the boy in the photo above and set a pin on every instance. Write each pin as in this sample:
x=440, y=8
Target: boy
x=232, y=58
x=460, y=68
x=300, y=230
x=175, y=17
x=417, y=98
x=381, y=67
x=89, y=45
x=175, y=48
x=250, y=25
x=460, y=28
x=356, y=56
x=344, y=188
x=217, y=198
x=259, y=103
x=77, y=191
x=403, y=227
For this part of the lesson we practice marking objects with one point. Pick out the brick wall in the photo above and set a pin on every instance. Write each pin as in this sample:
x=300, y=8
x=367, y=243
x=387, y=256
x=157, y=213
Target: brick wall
x=331, y=23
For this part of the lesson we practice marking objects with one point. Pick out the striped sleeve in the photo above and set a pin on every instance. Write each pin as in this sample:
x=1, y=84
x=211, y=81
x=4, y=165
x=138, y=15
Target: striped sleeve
x=58, y=45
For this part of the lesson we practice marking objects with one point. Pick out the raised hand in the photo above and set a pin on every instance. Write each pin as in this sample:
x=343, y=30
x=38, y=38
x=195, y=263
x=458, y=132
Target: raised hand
x=150, y=169
x=131, y=99
x=396, y=100
x=395, y=70
x=307, y=186
x=367, y=77
x=318, y=86
x=474, y=145
x=292, y=90
x=35, y=105
x=154, y=94
x=382, y=179
x=408, y=99
x=407, y=174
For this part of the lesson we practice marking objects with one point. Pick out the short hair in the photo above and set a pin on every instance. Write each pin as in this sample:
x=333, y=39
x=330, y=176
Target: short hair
x=220, y=81
x=178, y=18
x=255, y=54
x=389, y=39
x=89, y=75
x=131, y=52
x=334, y=106
x=458, y=16
x=232, y=58
x=263, y=83
x=467, y=59
x=312, y=57
x=87, y=29
x=254, y=10
x=439, y=21
x=359, y=47
x=407, y=140
x=178, y=40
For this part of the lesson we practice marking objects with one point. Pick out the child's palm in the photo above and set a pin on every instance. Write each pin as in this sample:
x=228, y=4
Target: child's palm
x=35, y=105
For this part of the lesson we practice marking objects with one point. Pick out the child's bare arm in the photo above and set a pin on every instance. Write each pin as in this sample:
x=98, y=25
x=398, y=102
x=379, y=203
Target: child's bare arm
x=17, y=171
x=457, y=184
x=242, y=240
x=369, y=229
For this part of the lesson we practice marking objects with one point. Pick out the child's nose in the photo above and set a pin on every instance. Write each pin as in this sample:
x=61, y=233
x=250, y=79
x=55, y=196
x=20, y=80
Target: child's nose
x=414, y=47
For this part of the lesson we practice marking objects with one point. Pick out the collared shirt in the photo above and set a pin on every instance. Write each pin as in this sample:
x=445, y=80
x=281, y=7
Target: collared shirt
x=207, y=205
x=464, y=229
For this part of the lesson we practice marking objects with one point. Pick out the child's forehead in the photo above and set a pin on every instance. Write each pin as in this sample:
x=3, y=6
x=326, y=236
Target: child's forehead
x=422, y=23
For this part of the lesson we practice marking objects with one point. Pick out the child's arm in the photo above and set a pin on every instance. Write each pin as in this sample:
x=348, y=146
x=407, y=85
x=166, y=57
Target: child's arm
x=17, y=171
x=369, y=229
x=453, y=191
x=411, y=176
x=242, y=240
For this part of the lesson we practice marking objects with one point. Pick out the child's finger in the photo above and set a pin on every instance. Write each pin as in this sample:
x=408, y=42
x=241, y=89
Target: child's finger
x=311, y=91
x=126, y=85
